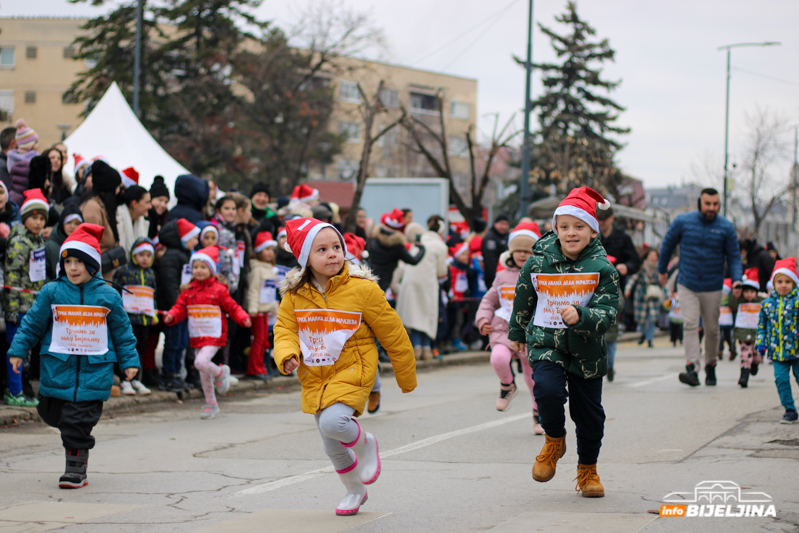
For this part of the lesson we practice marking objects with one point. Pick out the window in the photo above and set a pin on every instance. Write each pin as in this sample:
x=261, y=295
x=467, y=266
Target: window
x=350, y=130
x=390, y=98
x=348, y=92
x=458, y=147
x=69, y=52
x=6, y=57
x=7, y=102
x=30, y=97
x=459, y=110
x=346, y=169
x=389, y=138
x=425, y=104
x=30, y=52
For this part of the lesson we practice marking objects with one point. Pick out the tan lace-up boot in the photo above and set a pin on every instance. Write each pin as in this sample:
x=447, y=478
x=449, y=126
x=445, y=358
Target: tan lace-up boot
x=588, y=482
x=547, y=460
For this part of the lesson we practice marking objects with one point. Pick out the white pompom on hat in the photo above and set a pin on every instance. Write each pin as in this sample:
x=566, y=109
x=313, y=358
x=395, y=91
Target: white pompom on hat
x=300, y=233
x=581, y=203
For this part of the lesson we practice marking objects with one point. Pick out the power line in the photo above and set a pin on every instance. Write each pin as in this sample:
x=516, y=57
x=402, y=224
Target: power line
x=766, y=76
x=465, y=33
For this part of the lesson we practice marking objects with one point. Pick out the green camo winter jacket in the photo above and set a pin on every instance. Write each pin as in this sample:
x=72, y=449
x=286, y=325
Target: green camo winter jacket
x=21, y=244
x=580, y=349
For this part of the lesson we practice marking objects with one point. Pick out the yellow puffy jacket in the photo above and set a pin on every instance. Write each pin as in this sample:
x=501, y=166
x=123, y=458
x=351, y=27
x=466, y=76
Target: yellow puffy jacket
x=350, y=379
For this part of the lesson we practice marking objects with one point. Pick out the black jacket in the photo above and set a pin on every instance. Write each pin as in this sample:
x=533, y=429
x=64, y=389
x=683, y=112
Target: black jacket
x=494, y=244
x=170, y=266
x=192, y=195
x=619, y=245
x=758, y=257
x=4, y=177
x=386, y=250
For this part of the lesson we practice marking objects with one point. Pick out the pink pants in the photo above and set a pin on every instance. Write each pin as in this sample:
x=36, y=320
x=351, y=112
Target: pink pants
x=208, y=371
x=749, y=354
x=501, y=360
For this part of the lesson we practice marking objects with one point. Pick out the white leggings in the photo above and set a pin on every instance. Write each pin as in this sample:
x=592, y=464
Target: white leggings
x=336, y=425
x=208, y=371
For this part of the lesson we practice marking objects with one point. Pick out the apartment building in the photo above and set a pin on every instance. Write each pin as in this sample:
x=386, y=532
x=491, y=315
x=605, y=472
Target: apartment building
x=36, y=67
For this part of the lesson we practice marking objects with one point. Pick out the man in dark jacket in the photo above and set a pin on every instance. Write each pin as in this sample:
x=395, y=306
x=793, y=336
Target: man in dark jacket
x=759, y=258
x=708, y=243
x=387, y=249
x=619, y=245
x=7, y=142
x=192, y=194
x=495, y=242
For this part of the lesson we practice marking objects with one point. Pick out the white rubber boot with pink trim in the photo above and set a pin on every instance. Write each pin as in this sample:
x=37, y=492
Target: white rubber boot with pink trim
x=368, y=458
x=356, y=491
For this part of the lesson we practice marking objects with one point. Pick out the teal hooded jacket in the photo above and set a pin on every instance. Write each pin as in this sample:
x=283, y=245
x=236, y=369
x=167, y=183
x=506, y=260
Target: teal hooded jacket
x=77, y=377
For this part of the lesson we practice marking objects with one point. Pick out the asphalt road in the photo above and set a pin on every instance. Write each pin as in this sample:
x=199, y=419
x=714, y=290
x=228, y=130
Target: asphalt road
x=451, y=462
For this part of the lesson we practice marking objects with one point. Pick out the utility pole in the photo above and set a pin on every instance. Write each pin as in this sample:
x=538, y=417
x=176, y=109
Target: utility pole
x=137, y=59
x=524, y=186
x=795, y=169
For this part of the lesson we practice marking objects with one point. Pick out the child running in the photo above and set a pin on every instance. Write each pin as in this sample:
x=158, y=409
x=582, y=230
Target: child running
x=747, y=313
x=203, y=303
x=566, y=298
x=76, y=377
x=494, y=313
x=327, y=322
x=777, y=332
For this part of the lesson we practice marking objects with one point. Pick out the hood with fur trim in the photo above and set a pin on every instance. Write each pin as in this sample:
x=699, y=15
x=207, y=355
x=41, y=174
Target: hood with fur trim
x=388, y=237
x=294, y=277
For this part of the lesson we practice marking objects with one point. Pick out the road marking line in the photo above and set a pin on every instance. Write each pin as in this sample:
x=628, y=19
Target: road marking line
x=650, y=381
x=291, y=480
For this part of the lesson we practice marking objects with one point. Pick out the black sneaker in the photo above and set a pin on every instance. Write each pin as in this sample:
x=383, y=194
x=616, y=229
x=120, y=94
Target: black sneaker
x=753, y=370
x=611, y=373
x=173, y=383
x=710, y=375
x=789, y=417
x=744, y=379
x=75, y=473
x=689, y=377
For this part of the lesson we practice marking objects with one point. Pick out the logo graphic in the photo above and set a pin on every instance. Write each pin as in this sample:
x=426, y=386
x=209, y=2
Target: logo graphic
x=719, y=499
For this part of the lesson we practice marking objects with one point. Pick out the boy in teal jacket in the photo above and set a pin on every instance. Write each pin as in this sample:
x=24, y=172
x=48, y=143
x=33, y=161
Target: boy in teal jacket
x=84, y=330
x=567, y=297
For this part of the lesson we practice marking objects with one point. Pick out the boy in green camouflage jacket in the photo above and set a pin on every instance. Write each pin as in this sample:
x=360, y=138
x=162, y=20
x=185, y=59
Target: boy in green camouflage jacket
x=25, y=268
x=567, y=297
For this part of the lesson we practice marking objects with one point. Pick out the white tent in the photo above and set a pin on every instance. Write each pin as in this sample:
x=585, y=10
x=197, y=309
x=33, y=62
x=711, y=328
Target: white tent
x=112, y=131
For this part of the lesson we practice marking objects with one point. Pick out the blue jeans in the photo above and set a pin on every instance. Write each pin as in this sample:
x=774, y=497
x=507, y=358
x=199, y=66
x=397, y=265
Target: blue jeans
x=611, y=353
x=782, y=376
x=649, y=330
x=419, y=338
x=13, y=380
x=176, y=338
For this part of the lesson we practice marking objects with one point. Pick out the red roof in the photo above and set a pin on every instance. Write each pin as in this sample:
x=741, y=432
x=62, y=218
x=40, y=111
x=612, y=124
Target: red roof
x=338, y=192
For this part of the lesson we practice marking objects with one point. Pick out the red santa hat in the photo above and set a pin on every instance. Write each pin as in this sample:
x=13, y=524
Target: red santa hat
x=581, y=203
x=84, y=244
x=281, y=233
x=187, y=230
x=476, y=247
x=394, y=219
x=80, y=162
x=144, y=246
x=612, y=260
x=752, y=278
x=524, y=235
x=35, y=204
x=209, y=256
x=356, y=248
x=130, y=177
x=300, y=233
x=727, y=286
x=787, y=267
x=458, y=249
x=304, y=193
x=263, y=241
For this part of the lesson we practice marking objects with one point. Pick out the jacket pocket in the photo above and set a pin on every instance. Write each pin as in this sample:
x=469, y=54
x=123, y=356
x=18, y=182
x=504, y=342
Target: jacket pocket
x=97, y=376
x=56, y=373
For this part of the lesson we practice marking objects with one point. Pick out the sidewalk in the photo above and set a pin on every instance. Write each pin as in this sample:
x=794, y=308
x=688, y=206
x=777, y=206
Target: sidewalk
x=15, y=415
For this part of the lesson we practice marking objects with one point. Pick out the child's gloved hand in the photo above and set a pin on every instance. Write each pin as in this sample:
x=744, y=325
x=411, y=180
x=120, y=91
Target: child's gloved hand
x=12, y=318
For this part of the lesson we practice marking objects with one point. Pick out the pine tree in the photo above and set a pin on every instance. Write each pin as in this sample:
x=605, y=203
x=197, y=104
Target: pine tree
x=576, y=141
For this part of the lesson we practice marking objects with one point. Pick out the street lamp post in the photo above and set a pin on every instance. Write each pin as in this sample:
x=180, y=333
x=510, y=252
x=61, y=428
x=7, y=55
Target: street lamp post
x=795, y=169
x=524, y=185
x=729, y=47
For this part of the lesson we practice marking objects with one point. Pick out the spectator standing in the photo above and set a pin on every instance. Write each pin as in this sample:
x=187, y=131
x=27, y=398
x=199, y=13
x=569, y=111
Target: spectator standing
x=708, y=245
x=71, y=218
x=647, y=294
x=619, y=245
x=495, y=242
x=60, y=189
x=759, y=258
x=387, y=248
x=132, y=223
x=158, y=215
x=192, y=195
x=7, y=142
x=262, y=214
x=9, y=210
x=27, y=148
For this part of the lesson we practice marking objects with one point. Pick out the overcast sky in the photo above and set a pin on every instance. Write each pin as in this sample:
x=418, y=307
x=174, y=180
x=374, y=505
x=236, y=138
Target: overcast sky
x=673, y=77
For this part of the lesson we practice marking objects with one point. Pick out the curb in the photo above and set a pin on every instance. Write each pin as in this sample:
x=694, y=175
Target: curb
x=10, y=416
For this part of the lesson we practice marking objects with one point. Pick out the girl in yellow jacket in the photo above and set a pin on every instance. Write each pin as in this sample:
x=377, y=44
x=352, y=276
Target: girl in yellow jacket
x=328, y=319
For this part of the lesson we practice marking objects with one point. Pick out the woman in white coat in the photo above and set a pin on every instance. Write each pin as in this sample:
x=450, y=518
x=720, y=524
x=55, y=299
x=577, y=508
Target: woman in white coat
x=417, y=302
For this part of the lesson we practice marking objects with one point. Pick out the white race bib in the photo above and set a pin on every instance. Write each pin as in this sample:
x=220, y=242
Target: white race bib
x=481, y=283
x=323, y=333
x=725, y=316
x=185, y=276
x=241, y=247
x=140, y=302
x=37, y=269
x=556, y=290
x=79, y=329
x=268, y=292
x=748, y=316
x=506, y=294
x=236, y=262
x=205, y=321
x=461, y=282
x=675, y=312
x=281, y=272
